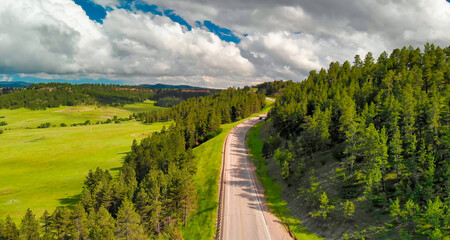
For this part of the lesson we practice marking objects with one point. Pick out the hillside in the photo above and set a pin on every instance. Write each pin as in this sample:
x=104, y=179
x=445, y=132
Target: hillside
x=14, y=84
x=168, y=86
x=362, y=148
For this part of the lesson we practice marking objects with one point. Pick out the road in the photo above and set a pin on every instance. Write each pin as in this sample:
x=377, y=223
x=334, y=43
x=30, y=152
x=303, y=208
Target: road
x=245, y=214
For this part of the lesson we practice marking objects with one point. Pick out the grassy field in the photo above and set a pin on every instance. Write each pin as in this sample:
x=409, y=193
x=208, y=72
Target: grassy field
x=201, y=225
x=273, y=188
x=23, y=118
x=43, y=168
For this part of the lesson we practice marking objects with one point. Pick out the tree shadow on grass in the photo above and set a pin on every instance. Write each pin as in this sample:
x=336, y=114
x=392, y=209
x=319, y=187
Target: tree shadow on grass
x=204, y=210
x=70, y=201
x=115, y=169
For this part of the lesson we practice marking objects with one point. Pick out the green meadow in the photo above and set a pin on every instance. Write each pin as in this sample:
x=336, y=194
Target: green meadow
x=44, y=168
x=23, y=118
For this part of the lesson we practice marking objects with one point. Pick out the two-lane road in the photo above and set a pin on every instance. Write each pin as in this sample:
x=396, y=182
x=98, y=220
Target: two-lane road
x=245, y=215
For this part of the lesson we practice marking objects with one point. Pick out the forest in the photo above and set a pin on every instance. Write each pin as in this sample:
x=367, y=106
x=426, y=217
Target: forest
x=48, y=95
x=368, y=143
x=154, y=193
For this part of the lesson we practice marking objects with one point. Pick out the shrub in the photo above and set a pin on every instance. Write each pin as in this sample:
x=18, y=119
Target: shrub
x=325, y=207
x=3, y=123
x=45, y=125
x=349, y=208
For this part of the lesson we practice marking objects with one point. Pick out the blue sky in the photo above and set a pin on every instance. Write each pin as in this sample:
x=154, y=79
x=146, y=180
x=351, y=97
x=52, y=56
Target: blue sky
x=93, y=10
x=98, y=13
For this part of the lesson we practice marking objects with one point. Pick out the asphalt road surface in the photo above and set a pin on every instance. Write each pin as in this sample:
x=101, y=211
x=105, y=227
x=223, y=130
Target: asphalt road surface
x=245, y=214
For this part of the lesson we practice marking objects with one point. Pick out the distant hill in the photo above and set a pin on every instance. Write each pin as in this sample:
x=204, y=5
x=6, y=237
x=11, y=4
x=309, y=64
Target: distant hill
x=149, y=86
x=14, y=84
x=166, y=86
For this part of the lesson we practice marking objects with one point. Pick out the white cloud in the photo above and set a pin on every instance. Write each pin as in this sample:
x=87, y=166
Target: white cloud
x=6, y=79
x=330, y=30
x=157, y=46
x=107, y=3
x=56, y=37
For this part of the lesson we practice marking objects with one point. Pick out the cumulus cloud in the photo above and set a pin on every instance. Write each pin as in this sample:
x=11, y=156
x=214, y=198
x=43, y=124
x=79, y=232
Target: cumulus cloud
x=56, y=37
x=279, y=39
x=288, y=38
x=157, y=46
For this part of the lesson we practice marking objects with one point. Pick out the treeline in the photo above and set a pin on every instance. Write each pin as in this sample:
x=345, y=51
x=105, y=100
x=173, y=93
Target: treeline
x=386, y=123
x=275, y=87
x=167, y=102
x=182, y=94
x=153, y=116
x=48, y=95
x=202, y=116
x=171, y=97
x=154, y=193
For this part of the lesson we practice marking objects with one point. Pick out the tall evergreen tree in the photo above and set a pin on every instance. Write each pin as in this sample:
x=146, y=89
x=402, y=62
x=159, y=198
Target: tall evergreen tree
x=60, y=223
x=29, y=227
x=80, y=230
x=128, y=223
x=10, y=231
x=102, y=225
x=45, y=221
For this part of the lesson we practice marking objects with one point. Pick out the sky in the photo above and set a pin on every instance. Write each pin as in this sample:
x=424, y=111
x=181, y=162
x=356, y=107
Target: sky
x=208, y=43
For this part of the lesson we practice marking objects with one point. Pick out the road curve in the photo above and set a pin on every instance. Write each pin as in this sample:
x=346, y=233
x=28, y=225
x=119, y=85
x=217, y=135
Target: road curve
x=245, y=214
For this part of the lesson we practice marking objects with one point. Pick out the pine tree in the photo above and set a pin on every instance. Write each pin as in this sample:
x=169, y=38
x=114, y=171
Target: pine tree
x=375, y=151
x=396, y=150
x=102, y=225
x=45, y=221
x=1, y=229
x=408, y=120
x=60, y=223
x=433, y=112
x=149, y=200
x=79, y=219
x=128, y=223
x=354, y=142
x=29, y=227
x=10, y=231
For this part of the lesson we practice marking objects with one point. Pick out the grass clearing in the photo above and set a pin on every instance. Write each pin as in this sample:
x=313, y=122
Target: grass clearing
x=44, y=168
x=25, y=118
x=202, y=224
x=141, y=107
x=273, y=188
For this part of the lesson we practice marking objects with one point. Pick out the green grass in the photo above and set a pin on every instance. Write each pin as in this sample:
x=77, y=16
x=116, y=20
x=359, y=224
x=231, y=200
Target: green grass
x=141, y=107
x=273, y=188
x=201, y=225
x=44, y=168
x=23, y=118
